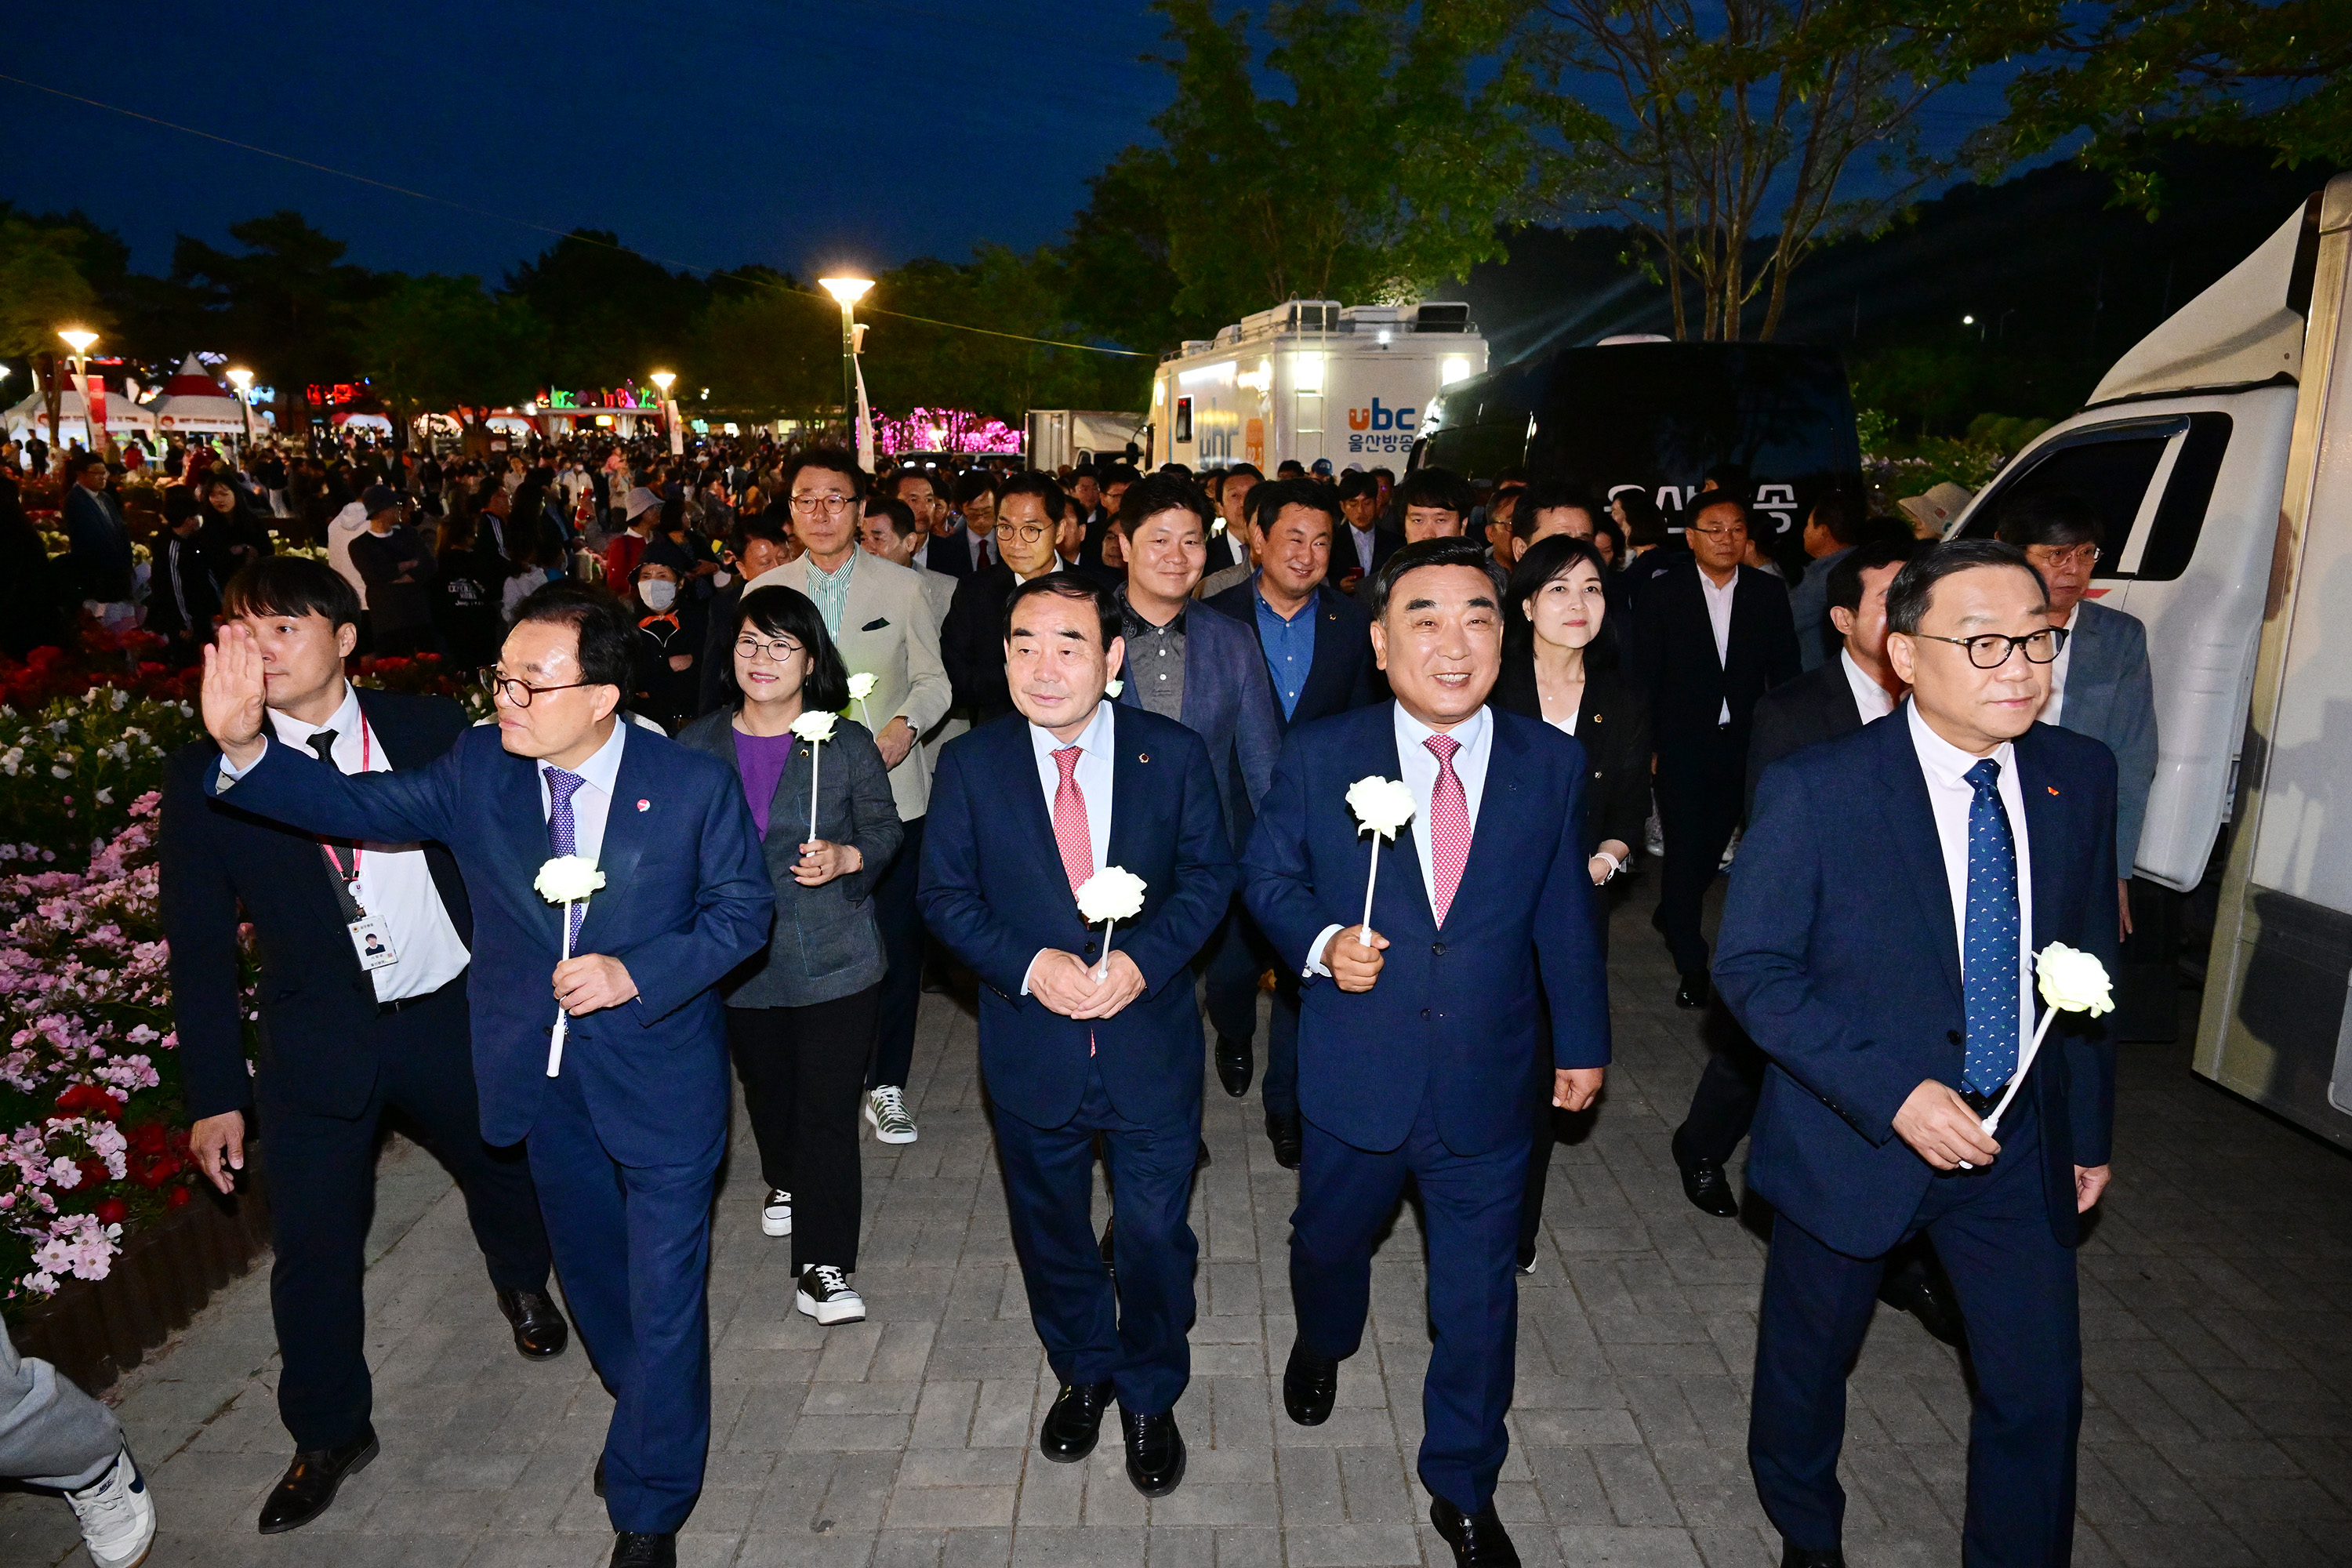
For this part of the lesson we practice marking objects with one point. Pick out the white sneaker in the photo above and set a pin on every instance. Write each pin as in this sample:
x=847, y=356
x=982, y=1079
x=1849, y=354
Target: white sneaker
x=776, y=1214
x=824, y=1295
x=885, y=1108
x=118, y=1515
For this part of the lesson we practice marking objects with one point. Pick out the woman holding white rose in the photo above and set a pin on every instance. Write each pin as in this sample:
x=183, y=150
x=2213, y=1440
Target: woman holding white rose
x=799, y=1018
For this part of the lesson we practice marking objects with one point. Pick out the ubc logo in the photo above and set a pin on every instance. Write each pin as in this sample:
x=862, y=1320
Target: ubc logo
x=1379, y=418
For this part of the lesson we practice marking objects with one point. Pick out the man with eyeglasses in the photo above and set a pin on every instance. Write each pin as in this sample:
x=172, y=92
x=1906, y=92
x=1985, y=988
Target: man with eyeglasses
x=627, y=1122
x=880, y=620
x=1896, y=999
x=2100, y=685
x=1029, y=514
x=1710, y=636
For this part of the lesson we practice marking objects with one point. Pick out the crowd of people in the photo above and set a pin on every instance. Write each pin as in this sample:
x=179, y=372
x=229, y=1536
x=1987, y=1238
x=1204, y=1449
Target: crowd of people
x=919, y=718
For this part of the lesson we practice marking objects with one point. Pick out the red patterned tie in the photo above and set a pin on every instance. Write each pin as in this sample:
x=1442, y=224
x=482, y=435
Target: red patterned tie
x=1070, y=831
x=1449, y=825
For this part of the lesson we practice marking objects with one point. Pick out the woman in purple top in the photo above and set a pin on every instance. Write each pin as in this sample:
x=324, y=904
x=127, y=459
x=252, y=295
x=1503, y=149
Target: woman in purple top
x=799, y=1018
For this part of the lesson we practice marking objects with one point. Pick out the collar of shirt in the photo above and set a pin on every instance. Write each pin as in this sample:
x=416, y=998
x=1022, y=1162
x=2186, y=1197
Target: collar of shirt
x=1419, y=764
x=1059, y=565
x=1094, y=744
x=1950, y=795
x=345, y=721
x=1136, y=627
x=2056, y=705
x=1870, y=698
x=593, y=801
x=1258, y=592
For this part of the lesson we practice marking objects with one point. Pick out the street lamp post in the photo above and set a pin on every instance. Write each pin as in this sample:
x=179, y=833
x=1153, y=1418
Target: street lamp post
x=848, y=290
x=242, y=380
x=662, y=379
x=78, y=342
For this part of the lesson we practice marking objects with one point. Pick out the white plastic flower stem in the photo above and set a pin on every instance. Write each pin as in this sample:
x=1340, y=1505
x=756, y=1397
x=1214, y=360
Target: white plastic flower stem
x=555, y=1040
x=2023, y=1066
x=864, y=715
x=1364, y=931
x=816, y=749
x=1102, y=970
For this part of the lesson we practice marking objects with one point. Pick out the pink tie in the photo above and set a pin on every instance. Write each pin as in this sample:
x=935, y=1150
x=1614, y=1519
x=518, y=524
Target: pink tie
x=1070, y=831
x=1449, y=825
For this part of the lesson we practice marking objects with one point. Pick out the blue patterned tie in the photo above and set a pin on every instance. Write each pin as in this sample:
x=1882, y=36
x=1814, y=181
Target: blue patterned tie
x=1989, y=947
x=564, y=836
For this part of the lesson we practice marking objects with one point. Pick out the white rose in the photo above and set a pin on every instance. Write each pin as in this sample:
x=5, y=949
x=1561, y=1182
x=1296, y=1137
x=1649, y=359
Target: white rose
x=861, y=686
x=1113, y=687
x=2073, y=980
x=1381, y=805
x=568, y=879
x=814, y=727
x=1113, y=893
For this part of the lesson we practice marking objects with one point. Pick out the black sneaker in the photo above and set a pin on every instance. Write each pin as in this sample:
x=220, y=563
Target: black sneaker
x=824, y=1295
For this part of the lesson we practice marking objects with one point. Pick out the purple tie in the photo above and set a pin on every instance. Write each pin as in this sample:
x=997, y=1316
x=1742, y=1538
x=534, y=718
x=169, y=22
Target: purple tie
x=563, y=834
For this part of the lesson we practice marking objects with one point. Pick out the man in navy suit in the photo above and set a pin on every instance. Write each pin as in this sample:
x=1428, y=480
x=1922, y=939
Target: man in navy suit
x=1485, y=914
x=1316, y=645
x=1203, y=671
x=625, y=1139
x=1076, y=1043
x=1896, y=1009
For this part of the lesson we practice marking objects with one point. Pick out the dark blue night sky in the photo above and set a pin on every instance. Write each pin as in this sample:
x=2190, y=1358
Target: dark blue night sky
x=710, y=133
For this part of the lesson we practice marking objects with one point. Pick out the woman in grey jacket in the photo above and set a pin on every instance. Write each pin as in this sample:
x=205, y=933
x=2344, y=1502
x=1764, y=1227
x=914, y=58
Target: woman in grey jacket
x=800, y=1017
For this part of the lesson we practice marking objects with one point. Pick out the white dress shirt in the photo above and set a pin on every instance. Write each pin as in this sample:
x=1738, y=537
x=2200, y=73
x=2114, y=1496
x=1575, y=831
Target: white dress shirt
x=1871, y=700
x=1946, y=768
x=592, y=802
x=2058, y=666
x=1092, y=775
x=1363, y=538
x=1718, y=616
x=1419, y=765
x=394, y=883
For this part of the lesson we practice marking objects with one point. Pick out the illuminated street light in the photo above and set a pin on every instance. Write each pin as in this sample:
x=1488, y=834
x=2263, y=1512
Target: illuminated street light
x=78, y=342
x=242, y=380
x=78, y=339
x=848, y=290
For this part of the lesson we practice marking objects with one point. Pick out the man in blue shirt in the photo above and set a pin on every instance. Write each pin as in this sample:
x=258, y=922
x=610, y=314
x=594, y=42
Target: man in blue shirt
x=1318, y=646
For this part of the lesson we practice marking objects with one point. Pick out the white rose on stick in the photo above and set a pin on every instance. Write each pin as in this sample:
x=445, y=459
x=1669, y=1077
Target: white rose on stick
x=2070, y=981
x=816, y=728
x=861, y=686
x=1110, y=895
x=1382, y=807
x=567, y=879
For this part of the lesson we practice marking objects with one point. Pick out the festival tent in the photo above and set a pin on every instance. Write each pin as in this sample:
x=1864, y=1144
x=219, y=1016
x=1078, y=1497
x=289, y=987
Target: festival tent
x=193, y=403
x=124, y=419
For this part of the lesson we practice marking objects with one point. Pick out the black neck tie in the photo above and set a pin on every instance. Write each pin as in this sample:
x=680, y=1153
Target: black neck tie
x=323, y=742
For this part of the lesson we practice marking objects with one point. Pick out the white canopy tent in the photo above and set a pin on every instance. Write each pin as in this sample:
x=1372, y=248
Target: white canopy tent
x=124, y=419
x=193, y=403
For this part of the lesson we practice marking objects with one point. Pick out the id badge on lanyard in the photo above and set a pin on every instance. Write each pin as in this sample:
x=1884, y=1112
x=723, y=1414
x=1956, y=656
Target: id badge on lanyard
x=371, y=938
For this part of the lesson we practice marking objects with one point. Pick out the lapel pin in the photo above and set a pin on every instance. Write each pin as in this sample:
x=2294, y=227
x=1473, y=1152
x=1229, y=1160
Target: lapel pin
x=645, y=806
x=1143, y=756
x=2052, y=788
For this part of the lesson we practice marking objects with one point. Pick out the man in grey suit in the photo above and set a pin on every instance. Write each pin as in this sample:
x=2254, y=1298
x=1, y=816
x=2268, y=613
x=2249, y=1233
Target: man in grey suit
x=2100, y=685
x=1202, y=669
x=880, y=619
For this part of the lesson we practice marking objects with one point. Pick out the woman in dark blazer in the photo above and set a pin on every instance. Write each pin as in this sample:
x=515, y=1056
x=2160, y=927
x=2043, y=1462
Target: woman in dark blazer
x=799, y=1018
x=1560, y=665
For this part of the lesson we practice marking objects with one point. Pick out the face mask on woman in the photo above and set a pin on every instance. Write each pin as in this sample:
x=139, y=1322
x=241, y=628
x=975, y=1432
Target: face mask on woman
x=658, y=596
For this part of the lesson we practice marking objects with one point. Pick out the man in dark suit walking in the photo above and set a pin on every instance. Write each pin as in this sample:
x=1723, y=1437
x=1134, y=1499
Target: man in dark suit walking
x=1202, y=670
x=1081, y=1039
x=1710, y=636
x=1316, y=647
x=1419, y=1032
x=1896, y=1008
x=347, y=1035
x=628, y=1126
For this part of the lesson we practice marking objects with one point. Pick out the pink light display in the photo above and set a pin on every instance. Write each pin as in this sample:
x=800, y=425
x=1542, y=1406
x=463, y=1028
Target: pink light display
x=944, y=431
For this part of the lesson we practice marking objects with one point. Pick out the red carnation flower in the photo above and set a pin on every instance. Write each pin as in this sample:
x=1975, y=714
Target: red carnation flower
x=89, y=1100
x=176, y=1198
x=94, y=1173
x=111, y=1211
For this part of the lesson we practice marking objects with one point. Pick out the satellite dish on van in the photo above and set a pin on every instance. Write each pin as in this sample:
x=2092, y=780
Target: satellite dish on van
x=1631, y=338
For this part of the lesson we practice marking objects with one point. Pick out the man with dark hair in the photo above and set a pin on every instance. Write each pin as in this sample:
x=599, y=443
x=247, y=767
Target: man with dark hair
x=1316, y=645
x=1087, y=1033
x=975, y=507
x=626, y=1127
x=971, y=639
x=892, y=531
x=1898, y=1012
x=2100, y=684
x=1710, y=636
x=1421, y=1030
x=1088, y=514
x=1433, y=504
x=1833, y=527
x=917, y=490
x=1290, y=469
x=1544, y=508
x=1366, y=545
x=97, y=565
x=398, y=570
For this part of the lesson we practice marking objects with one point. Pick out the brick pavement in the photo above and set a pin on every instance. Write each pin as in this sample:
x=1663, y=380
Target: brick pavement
x=2217, y=1346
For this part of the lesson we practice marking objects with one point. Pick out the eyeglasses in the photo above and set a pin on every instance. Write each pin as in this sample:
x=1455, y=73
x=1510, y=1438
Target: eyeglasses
x=1027, y=533
x=775, y=652
x=2083, y=555
x=1991, y=650
x=1721, y=531
x=520, y=692
x=835, y=505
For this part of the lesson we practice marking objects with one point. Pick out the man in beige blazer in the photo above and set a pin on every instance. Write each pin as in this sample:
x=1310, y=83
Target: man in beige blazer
x=881, y=620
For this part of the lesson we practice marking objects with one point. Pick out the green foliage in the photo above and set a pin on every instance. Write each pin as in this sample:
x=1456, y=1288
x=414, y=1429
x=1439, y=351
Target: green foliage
x=1020, y=295
x=765, y=352
x=612, y=316
x=42, y=286
x=437, y=342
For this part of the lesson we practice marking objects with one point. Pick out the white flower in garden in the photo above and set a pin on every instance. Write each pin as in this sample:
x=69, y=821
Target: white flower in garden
x=1381, y=805
x=814, y=727
x=106, y=797
x=1113, y=893
x=568, y=879
x=2072, y=980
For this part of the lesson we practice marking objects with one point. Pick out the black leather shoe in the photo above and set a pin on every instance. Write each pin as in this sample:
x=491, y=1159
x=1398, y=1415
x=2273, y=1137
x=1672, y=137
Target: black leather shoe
x=1795, y=1557
x=1201, y=1159
x=1692, y=991
x=1283, y=1133
x=631, y=1550
x=1155, y=1451
x=597, y=1481
x=309, y=1485
x=1310, y=1383
x=1068, y=1432
x=540, y=1331
x=1479, y=1540
x=1910, y=1286
x=1708, y=1189
x=1235, y=1065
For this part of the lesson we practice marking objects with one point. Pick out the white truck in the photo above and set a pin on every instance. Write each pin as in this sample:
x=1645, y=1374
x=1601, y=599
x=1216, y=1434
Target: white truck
x=1311, y=379
x=2218, y=452
x=1074, y=436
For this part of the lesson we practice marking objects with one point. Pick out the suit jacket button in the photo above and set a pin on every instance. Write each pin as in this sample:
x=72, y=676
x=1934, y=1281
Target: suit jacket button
x=1954, y=1037
x=1090, y=950
x=1438, y=948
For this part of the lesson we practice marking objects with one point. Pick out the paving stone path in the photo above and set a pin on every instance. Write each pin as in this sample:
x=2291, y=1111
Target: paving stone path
x=2218, y=1349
